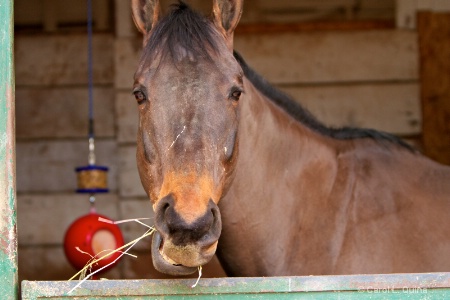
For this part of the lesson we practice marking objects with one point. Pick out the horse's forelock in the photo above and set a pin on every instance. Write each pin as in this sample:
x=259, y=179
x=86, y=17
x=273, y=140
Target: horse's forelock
x=182, y=31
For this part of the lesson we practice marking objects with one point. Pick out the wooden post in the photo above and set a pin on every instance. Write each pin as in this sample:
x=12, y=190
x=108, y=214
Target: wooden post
x=8, y=240
x=434, y=44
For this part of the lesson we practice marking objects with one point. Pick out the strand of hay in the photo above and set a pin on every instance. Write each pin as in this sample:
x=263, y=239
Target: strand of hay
x=199, y=275
x=91, y=262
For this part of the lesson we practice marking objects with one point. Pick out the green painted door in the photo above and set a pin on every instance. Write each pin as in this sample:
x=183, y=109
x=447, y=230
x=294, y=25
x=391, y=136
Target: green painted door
x=8, y=241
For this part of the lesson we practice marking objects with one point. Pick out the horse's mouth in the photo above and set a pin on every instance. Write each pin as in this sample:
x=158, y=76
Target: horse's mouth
x=163, y=263
x=168, y=259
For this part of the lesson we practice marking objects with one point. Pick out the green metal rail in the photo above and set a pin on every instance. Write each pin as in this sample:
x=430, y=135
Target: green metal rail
x=393, y=286
x=8, y=241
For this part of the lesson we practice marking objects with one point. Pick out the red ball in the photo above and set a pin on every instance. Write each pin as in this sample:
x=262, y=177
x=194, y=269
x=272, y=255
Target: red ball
x=92, y=236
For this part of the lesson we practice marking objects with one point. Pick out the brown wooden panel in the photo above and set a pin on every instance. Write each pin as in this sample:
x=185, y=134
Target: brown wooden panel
x=434, y=45
x=258, y=28
x=55, y=60
x=63, y=112
x=49, y=165
x=44, y=218
x=332, y=56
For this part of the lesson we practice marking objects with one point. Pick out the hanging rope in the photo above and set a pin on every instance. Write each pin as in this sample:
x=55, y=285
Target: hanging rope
x=91, y=134
x=92, y=178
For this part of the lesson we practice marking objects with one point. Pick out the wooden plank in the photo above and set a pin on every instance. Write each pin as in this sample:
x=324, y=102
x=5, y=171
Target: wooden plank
x=393, y=108
x=325, y=57
x=391, y=286
x=283, y=11
x=433, y=5
x=50, y=15
x=62, y=60
x=434, y=39
x=126, y=56
x=49, y=166
x=406, y=14
x=38, y=224
x=129, y=181
x=441, y=6
x=127, y=117
x=63, y=112
x=102, y=12
x=8, y=239
x=124, y=25
x=276, y=28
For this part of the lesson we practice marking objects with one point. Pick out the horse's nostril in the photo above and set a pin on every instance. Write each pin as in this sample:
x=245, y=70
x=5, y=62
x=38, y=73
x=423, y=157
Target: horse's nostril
x=163, y=214
x=165, y=207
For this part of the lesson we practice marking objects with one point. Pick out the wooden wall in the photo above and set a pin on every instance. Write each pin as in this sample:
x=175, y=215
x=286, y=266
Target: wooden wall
x=51, y=129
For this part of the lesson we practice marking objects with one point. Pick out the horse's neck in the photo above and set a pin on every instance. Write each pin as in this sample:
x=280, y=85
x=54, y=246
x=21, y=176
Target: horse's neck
x=290, y=208
x=282, y=167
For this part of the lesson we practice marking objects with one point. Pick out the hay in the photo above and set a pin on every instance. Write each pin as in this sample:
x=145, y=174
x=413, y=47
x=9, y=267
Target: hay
x=85, y=273
x=83, y=276
x=199, y=275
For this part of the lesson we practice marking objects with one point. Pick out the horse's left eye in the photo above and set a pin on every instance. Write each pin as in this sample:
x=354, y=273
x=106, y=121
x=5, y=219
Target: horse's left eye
x=235, y=95
x=140, y=96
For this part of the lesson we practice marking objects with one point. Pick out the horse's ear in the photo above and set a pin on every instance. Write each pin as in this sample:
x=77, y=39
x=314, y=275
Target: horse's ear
x=146, y=14
x=226, y=14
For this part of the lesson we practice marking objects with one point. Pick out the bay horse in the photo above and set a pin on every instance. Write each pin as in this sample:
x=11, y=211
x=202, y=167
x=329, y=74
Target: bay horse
x=296, y=197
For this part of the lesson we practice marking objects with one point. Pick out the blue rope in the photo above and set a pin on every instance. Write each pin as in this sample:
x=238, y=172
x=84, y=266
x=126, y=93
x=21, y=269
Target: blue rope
x=90, y=71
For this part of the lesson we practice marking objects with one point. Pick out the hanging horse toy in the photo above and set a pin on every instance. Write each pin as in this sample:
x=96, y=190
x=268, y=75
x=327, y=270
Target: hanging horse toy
x=92, y=235
x=235, y=167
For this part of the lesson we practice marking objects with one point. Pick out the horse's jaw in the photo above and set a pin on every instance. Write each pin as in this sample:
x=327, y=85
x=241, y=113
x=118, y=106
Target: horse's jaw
x=164, y=264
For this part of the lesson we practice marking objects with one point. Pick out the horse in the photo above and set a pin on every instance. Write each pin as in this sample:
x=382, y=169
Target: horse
x=234, y=167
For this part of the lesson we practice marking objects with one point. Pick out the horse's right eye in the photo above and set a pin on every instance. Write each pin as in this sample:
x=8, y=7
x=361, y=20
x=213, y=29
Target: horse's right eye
x=140, y=96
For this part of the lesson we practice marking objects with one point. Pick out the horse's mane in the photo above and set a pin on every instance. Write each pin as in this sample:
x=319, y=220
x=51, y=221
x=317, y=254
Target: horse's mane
x=184, y=28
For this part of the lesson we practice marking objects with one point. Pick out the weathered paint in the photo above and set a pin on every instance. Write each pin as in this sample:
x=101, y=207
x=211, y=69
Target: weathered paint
x=8, y=242
x=392, y=286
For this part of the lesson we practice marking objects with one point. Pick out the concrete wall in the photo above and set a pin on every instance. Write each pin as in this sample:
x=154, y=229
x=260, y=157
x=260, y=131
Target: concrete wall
x=358, y=78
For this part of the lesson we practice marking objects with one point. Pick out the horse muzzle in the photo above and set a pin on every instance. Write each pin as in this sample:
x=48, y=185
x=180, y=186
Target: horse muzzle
x=164, y=264
x=179, y=248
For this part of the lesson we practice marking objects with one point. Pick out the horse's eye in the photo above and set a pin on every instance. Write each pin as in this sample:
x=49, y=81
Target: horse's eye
x=235, y=95
x=140, y=96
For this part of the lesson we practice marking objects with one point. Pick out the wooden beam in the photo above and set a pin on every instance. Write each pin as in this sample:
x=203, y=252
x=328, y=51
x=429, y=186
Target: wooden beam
x=434, y=45
x=276, y=28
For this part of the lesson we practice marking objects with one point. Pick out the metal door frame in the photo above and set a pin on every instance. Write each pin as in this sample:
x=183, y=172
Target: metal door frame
x=8, y=237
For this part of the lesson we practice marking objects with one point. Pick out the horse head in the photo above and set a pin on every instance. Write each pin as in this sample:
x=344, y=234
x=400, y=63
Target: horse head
x=187, y=87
